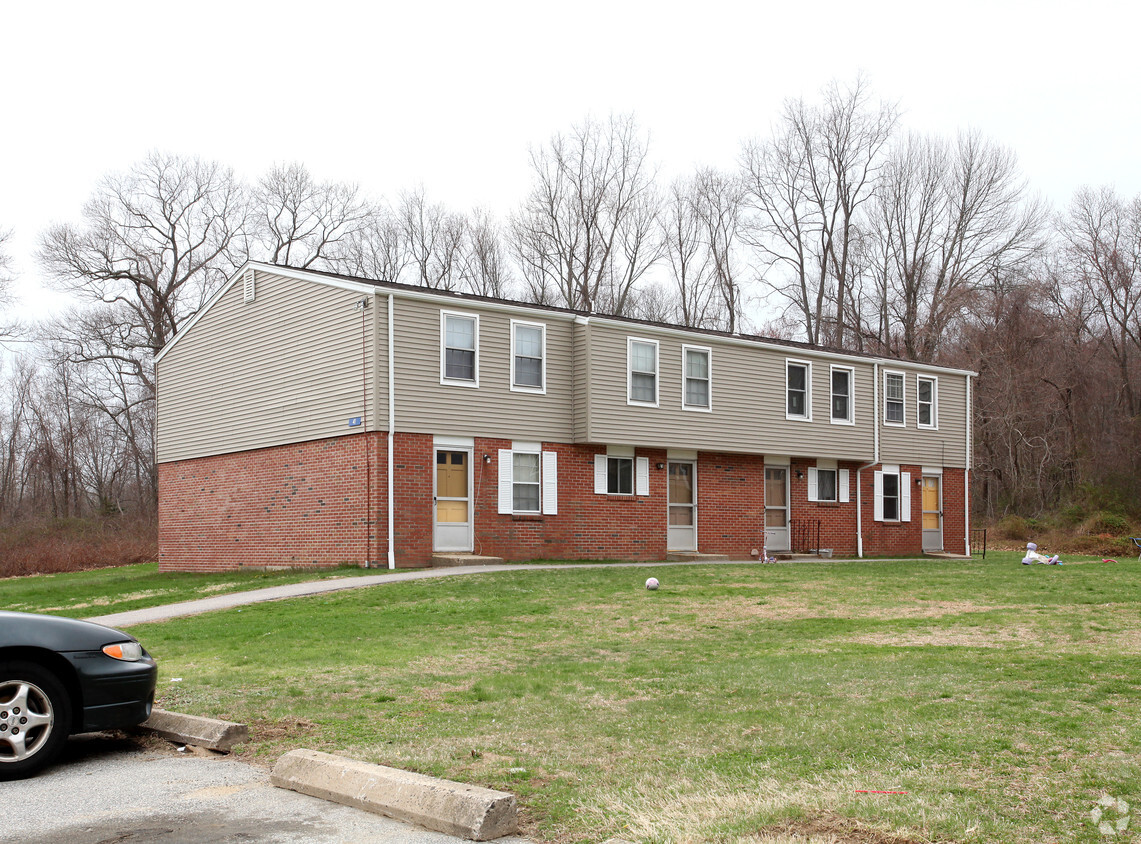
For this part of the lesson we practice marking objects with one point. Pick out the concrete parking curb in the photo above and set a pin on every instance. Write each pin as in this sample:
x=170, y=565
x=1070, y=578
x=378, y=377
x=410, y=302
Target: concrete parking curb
x=192, y=729
x=468, y=811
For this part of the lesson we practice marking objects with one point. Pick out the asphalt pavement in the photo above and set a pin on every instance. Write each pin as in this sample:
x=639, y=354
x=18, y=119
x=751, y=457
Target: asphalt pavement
x=109, y=788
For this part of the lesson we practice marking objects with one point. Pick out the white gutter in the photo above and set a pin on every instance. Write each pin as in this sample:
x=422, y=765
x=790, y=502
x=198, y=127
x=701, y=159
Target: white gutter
x=875, y=456
x=391, y=436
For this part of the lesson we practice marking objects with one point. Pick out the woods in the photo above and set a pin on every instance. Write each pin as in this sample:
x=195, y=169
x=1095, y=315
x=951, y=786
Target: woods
x=838, y=228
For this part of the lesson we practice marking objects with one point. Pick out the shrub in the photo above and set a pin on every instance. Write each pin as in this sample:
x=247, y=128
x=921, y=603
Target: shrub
x=56, y=545
x=1012, y=527
x=1107, y=523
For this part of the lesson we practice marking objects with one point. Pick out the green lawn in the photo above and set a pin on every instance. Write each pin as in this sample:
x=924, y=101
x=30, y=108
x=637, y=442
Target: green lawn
x=733, y=701
x=83, y=594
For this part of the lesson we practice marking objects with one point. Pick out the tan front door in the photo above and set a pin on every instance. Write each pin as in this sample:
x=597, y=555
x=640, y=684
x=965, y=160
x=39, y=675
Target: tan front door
x=776, y=508
x=932, y=513
x=452, y=516
x=681, y=535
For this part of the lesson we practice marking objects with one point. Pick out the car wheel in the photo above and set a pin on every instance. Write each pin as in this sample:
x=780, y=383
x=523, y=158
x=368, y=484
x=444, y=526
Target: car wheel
x=35, y=716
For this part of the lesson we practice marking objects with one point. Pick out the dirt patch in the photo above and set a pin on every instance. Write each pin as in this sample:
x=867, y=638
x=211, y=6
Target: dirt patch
x=827, y=830
x=284, y=728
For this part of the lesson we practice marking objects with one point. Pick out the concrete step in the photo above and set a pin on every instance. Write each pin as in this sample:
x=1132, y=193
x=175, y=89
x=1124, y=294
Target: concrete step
x=693, y=557
x=440, y=561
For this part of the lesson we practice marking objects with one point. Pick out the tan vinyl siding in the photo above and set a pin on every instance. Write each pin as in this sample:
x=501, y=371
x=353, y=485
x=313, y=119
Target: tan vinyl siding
x=581, y=382
x=424, y=405
x=288, y=367
x=748, y=399
x=945, y=446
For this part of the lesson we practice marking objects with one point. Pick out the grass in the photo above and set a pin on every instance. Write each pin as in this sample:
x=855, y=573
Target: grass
x=83, y=594
x=735, y=704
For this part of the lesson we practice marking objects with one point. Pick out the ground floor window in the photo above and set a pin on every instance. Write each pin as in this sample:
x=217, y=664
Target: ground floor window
x=892, y=495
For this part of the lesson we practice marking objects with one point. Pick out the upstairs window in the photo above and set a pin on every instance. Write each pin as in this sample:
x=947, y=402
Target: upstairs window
x=642, y=363
x=460, y=357
x=696, y=389
x=926, y=391
x=798, y=390
x=528, y=356
x=841, y=402
x=893, y=398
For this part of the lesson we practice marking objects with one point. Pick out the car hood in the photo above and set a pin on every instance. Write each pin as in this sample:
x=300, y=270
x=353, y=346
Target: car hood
x=57, y=633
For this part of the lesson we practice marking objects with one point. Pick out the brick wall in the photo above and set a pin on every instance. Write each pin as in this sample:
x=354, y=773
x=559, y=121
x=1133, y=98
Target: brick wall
x=303, y=504
x=307, y=504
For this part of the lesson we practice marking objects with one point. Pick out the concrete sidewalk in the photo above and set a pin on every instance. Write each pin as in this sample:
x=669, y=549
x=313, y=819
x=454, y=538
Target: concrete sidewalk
x=320, y=587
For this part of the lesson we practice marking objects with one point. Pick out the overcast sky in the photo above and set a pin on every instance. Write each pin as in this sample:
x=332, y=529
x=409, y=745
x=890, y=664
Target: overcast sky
x=453, y=94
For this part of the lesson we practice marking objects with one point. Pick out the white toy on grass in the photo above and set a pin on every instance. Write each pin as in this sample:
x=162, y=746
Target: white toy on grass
x=652, y=584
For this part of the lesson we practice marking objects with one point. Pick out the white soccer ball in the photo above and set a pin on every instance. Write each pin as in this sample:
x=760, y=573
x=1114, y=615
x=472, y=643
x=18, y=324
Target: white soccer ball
x=652, y=584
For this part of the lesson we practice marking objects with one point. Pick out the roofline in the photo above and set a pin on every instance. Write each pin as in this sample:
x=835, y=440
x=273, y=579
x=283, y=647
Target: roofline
x=408, y=291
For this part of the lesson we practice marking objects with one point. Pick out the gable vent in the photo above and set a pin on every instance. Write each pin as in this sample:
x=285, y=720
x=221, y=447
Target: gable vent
x=248, y=285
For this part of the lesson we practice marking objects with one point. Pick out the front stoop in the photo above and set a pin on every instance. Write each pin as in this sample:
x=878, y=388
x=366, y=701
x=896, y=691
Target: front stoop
x=693, y=557
x=946, y=555
x=442, y=561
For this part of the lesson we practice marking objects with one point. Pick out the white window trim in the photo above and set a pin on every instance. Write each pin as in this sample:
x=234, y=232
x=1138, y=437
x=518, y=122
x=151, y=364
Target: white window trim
x=851, y=420
x=522, y=388
x=630, y=341
x=934, y=426
x=807, y=390
x=444, y=379
x=842, y=482
x=548, y=480
x=902, y=399
x=904, y=494
x=685, y=350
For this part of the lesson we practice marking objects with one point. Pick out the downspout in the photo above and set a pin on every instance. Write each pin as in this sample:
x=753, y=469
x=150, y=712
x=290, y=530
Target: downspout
x=875, y=460
x=391, y=435
x=967, y=475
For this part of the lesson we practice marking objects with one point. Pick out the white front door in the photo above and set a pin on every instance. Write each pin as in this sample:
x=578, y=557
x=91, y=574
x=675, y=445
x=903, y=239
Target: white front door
x=776, y=508
x=932, y=513
x=681, y=534
x=452, y=501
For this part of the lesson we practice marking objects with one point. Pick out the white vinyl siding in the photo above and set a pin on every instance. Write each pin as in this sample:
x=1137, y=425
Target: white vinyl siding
x=642, y=372
x=927, y=402
x=841, y=409
x=528, y=357
x=459, y=349
x=894, y=398
x=528, y=481
x=697, y=378
x=798, y=390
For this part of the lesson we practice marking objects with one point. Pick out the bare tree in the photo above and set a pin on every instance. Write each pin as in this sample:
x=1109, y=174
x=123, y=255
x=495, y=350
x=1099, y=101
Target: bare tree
x=1102, y=236
x=686, y=258
x=435, y=238
x=720, y=199
x=947, y=219
x=301, y=222
x=806, y=187
x=484, y=260
x=377, y=250
x=586, y=232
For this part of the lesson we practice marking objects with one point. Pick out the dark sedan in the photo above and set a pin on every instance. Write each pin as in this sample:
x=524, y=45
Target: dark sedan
x=60, y=676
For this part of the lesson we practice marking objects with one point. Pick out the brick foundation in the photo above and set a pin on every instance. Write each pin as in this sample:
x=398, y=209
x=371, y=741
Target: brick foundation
x=323, y=503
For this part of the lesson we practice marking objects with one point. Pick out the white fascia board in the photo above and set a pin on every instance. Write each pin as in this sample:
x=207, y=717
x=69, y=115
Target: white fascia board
x=356, y=287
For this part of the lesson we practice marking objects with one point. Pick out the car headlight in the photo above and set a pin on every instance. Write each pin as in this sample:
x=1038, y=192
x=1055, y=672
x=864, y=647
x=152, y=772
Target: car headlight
x=126, y=651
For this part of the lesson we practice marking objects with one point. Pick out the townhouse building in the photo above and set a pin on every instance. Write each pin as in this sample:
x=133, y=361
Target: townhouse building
x=310, y=419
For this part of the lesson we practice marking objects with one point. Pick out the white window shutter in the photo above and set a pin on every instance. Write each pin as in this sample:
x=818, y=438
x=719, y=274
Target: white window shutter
x=506, y=481
x=812, y=485
x=905, y=496
x=550, y=483
x=643, y=467
x=842, y=483
x=877, y=487
x=600, y=474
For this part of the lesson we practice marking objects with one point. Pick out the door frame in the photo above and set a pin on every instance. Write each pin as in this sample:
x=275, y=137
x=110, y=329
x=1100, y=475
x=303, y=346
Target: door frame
x=930, y=532
x=468, y=545
x=784, y=532
x=693, y=480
